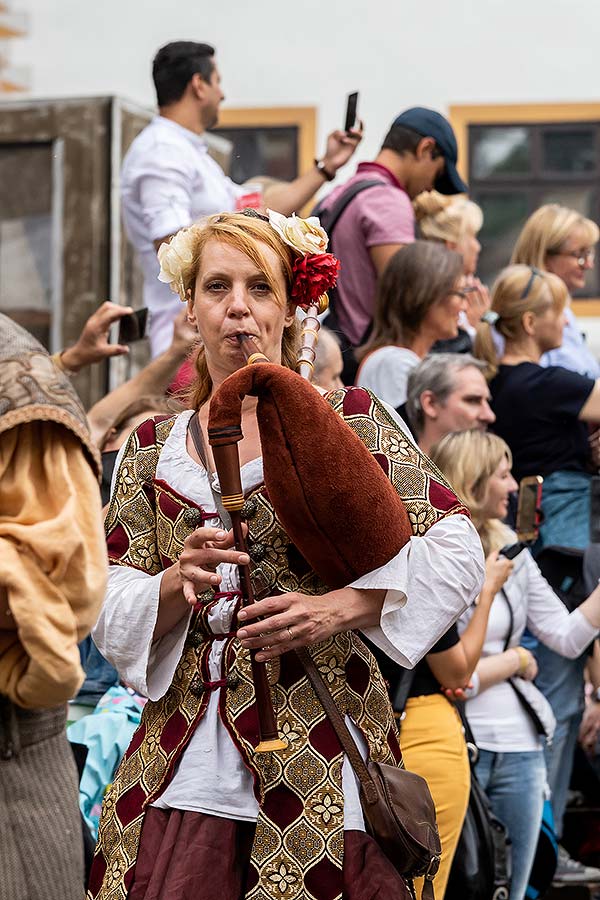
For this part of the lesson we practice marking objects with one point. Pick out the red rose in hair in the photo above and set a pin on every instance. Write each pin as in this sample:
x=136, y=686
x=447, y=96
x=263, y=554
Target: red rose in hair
x=314, y=275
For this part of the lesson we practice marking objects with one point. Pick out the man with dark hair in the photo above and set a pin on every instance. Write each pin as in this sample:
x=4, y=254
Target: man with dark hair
x=447, y=392
x=168, y=179
x=418, y=153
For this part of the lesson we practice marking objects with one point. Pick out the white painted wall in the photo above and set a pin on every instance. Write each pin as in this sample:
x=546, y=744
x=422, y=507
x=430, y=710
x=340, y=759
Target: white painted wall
x=398, y=53
x=272, y=53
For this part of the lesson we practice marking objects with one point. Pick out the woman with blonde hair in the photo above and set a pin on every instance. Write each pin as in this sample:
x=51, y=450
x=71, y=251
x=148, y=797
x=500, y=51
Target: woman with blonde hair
x=560, y=240
x=195, y=810
x=455, y=221
x=508, y=715
x=419, y=299
x=541, y=412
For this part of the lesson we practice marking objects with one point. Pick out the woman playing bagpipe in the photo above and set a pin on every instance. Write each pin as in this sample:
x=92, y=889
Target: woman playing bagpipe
x=349, y=527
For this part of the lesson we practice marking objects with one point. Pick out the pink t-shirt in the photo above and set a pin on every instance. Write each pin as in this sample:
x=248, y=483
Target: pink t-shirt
x=378, y=215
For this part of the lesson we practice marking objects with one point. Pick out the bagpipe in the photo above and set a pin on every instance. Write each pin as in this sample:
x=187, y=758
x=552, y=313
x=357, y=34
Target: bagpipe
x=330, y=494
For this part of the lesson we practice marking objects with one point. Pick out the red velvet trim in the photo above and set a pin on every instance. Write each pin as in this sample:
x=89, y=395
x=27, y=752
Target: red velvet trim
x=357, y=402
x=182, y=500
x=146, y=432
x=440, y=497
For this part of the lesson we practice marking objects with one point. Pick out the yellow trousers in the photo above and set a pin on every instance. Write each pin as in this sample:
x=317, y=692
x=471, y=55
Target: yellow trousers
x=434, y=747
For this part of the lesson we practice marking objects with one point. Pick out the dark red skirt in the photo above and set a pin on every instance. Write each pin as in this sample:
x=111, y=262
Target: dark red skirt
x=192, y=856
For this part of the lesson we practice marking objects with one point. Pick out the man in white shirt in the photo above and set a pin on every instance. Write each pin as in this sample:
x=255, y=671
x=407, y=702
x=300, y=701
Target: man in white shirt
x=168, y=179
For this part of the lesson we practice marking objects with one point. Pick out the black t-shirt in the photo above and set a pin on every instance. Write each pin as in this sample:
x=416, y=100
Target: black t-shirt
x=536, y=414
x=424, y=681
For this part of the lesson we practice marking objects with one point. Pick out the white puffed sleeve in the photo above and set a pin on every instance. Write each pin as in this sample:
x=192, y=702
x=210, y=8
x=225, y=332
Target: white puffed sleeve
x=429, y=583
x=123, y=632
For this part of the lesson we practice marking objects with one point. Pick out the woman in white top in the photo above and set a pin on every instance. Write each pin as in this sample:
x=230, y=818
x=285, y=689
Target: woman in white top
x=511, y=764
x=419, y=300
x=194, y=811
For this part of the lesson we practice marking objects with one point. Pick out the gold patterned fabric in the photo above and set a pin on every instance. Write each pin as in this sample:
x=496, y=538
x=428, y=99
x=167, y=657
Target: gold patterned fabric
x=298, y=846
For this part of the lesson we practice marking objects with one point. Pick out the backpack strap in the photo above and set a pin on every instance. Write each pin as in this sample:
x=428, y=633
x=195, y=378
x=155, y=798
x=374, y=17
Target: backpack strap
x=329, y=217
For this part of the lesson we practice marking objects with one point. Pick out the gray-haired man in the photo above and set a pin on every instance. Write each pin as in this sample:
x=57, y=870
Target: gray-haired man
x=447, y=392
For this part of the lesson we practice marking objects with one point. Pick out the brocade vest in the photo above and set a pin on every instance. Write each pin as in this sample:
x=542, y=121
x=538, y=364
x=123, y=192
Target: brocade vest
x=298, y=845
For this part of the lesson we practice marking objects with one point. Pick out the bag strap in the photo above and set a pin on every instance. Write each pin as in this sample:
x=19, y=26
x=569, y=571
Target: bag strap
x=198, y=441
x=402, y=691
x=329, y=217
x=339, y=726
x=525, y=704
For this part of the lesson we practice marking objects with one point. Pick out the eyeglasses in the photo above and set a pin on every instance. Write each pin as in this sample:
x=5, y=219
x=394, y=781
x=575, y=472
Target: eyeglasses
x=582, y=256
x=463, y=292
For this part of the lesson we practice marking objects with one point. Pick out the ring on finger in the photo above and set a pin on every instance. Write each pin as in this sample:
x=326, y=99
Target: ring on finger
x=289, y=631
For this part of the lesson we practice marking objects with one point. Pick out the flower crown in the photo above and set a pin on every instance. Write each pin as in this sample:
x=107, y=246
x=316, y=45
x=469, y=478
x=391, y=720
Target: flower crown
x=314, y=271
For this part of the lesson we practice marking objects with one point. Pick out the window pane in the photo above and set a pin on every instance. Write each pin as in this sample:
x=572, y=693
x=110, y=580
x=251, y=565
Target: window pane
x=262, y=151
x=26, y=236
x=569, y=151
x=500, y=151
x=503, y=217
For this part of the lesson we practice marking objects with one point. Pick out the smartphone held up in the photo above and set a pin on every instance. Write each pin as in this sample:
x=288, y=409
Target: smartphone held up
x=132, y=327
x=351, y=109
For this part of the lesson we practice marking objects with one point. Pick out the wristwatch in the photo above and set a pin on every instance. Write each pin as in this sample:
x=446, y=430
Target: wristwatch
x=320, y=165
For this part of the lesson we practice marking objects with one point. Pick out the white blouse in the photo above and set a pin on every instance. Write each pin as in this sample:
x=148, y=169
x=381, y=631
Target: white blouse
x=429, y=583
x=385, y=372
x=497, y=719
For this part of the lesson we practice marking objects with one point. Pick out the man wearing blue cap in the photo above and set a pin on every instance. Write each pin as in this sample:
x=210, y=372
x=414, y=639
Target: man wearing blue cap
x=370, y=217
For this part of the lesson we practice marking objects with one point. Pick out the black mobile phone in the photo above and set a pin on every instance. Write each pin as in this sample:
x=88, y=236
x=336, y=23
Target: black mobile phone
x=511, y=551
x=351, y=106
x=132, y=327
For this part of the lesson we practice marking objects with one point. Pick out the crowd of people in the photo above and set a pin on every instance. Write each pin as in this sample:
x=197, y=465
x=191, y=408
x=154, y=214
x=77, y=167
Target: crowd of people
x=371, y=518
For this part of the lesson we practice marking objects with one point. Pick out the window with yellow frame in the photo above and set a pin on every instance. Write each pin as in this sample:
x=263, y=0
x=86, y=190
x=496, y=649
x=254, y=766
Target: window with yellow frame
x=273, y=142
x=517, y=157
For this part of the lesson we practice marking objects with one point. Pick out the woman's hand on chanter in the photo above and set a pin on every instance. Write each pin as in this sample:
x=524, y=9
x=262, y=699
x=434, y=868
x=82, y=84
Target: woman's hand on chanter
x=296, y=620
x=203, y=551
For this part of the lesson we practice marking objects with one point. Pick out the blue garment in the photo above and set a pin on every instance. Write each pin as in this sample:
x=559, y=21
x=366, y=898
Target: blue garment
x=515, y=785
x=566, y=502
x=561, y=681
x=574, y=354
x=106, y=733
x=99, y=674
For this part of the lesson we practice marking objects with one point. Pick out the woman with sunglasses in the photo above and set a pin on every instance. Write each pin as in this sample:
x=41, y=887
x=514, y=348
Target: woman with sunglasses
x=562, y=241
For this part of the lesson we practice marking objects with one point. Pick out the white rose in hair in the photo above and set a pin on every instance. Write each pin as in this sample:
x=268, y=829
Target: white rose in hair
x=304, y=235
x=174, y=257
